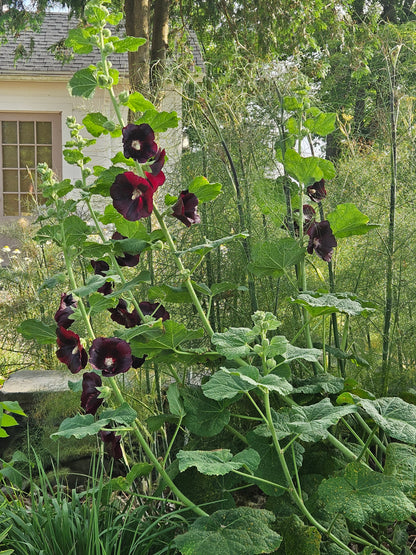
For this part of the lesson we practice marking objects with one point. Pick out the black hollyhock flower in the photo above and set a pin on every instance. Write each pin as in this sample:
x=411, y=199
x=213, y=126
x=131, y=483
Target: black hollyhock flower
x=154, y=309
x=89, y=397
x=158, y=163
x=308, y=218
x=139, y=142
x=128, y=259
x=122, y=316
x=185, y=209
x=133, y=195
x=112, y=443
x=321, y=240
x=100, y=268
x=111, y=355
x=66, y=308
x=138, y=361
x=317, y=192
x=70, y=351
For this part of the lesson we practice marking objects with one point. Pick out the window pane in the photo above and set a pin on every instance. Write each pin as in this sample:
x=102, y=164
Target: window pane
x=27, y=157
x=11, y=205
x=26, y=183
x=27, y=132
x=10, y=181
x=45, y=155
x=44, y=132
x=9, y=132
x=9, y=156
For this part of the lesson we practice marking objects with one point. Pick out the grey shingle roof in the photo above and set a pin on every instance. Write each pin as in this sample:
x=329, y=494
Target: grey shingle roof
x=196, y=49
x=42, y=62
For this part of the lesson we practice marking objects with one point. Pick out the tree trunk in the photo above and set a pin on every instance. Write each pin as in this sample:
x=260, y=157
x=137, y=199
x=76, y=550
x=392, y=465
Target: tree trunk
x=137, y=25
x=160, y=37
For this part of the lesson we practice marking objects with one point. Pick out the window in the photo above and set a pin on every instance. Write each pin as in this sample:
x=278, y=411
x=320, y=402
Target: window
x=25, y=141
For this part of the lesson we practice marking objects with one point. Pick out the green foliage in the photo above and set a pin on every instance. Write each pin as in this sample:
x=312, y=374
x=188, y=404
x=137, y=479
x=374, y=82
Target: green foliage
x=243, y=530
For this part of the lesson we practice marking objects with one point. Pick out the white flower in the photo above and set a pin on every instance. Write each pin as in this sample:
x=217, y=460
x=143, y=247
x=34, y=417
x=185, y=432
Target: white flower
x=17, y=251
x=6, y=248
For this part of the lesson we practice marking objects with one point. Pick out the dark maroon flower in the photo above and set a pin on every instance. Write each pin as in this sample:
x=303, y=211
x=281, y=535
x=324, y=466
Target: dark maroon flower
x=156, y=310
x=111, y=355
x=122, y=316
x=321, y=240
x=112, y=443
x=66, y=308
x=70, y=351
x=139, y=142
x=138, y=361
x=133, y=195
x=158, y=163
x=317, y=192
x=100, y=268
x=308, y=218
x=127, y=259
x=89, y=397
x=185, y=209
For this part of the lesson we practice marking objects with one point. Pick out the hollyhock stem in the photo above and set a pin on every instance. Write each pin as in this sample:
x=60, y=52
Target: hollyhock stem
x=184, y=272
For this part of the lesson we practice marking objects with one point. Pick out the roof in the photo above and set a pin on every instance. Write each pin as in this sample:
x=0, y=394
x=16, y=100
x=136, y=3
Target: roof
x=54, y=28
x=196, y=49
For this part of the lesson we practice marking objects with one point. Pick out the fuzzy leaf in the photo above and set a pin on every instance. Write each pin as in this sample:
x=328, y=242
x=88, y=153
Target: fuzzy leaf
x=363, y=495
x=209, y=245
x=346, y=220
x=203, y=189
x=327, y=303
x=128, y=44
x=234, y=342
x=211, y=463
x=322, y=383
x=307, y=170
x=79, y=426
x=243, y=530
x=273, y=258
x=396, y=417
x=323, y=124
x=300, y=538
x=401, y=464
x=83, y=83
x=204, y=417
x=226, y=384
x=138, y=103
x=159, y=121
x=35, y=329
x=175, y=401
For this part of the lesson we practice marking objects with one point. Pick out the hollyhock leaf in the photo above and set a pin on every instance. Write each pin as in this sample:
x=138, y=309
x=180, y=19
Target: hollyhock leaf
x=138, y=103
x=79, y=426
x=154, y=423
x=327, y=303
x=159, y=121
x=7, y=420
x=83, y=83
x=170, y=337
x=307, y=170
x=119, y=158
x=98, y=303
x=49, y=233
x=133, y=230
x=53, y=281
x=93, y=283
x=97, y=124
x=223, y=287
x=76, y=386
x=276, y=383
x=175, y=402
x=312, y=422
x=323, y=383
x=12, y=406
x=346, y=220
x=203, y=189
x=169, y=294
x=96, y=250
x=322, y=124
x=363, y=496
x=129, y=246
x=170, y=200
x=45, y=334
x=400, y=463
x=209, y=245
x=292, y=104
x=143, y=277
x=76, y=230
x=300, y=538
x=210, y=463
x=128, y=44
x=123, y=415
x=105, y=179
x=204, y=417
x=273, y=258
x=225, y=384
x=79, y=40
x=396, y=417
x=245, y=531
x=234, y=343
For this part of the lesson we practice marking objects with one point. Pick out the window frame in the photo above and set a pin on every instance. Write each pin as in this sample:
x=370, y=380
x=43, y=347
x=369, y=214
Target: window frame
x=56, y=120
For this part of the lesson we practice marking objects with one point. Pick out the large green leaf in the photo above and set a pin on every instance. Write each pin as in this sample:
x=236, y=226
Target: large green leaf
x=234, y=343
x=226, y=384
x=76, y=231
x=319, y=304
x=242, y=531
x=307, y=170
x=203, y=189
x=347, y=220
x=79, y=40
x=79, y=426
x=322, y=383
x=218, y=462
x=138, y=103
x=169, y=293
x=36, y=329
x=322, y=123
x=204, y=417
x=128, y=44
x=396, y=417
x=175, y=402
x=311, y=422
x=83, y=83
x=401, y=464
x=364, y=496
x=300, y=538
x=97, y=124
x=210, y=245
x=273, y=258
x=159, y=121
